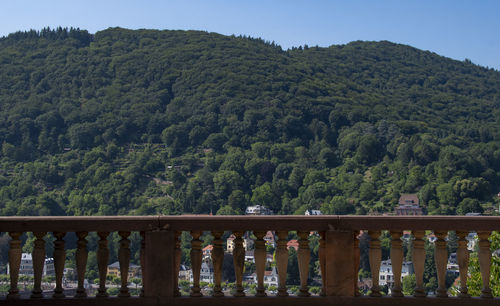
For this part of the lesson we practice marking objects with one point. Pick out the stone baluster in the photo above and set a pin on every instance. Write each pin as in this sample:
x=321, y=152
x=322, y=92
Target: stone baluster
x=419, y=262
x=15, y=253
x=196, y=257
x=282, y=261
x=143, y=262
x=81, y=263
x=59, y=259
x=102, y=263
x=239, y=262
x=217, y=260
x=463, y=263
x=357, y=259
x=397, y=263
x=485, y=263
x=375, y=256
x=304, y=257
x=322, y=262
x=260, y=262
x=177, y=259
x=124, y=260
x=38, y=263
x=441, y=259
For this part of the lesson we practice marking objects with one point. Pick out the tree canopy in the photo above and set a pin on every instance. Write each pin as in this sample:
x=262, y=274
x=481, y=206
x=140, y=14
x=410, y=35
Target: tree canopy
x=145, y=122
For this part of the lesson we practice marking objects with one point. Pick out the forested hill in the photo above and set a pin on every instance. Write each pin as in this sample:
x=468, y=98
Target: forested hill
x=149, y=122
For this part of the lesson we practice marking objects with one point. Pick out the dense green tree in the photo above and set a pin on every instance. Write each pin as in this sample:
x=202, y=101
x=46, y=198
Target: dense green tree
x=147, y=122
x=339, y=205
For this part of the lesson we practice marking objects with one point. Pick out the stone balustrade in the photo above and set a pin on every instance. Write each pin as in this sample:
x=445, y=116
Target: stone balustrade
x=160, y=257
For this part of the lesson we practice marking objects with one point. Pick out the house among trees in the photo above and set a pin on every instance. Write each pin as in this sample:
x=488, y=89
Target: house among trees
x=258, y=210
x=206, y=273
x=230, y=244
x=408, y=205
x=270, y=277
x=26, y=266
x=313, y=212
x=133, y=270
x=386, y=276
x=207, y=251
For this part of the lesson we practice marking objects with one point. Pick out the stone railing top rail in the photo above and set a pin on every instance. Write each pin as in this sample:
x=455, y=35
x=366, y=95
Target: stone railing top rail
x=275, y=222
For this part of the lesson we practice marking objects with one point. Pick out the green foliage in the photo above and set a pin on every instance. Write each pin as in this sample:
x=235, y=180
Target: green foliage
x=474, y=281
x=409, y=282
x=171, y=122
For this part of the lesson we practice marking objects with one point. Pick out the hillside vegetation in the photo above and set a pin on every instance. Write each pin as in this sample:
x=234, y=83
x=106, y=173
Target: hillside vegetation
x=150, y=122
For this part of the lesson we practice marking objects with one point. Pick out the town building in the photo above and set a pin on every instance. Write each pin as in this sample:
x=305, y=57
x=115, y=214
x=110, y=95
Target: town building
x=206, y=272
x=270, y=239
x=270, y=277
x=207, y=252
x=386, y=277
x=133, y=270
x=408, y=205
x=249, y=256
x=26, y=266
x=185, y=273
x=230, y=244
x=258, y=210
x=293, y=243
x=313, y=212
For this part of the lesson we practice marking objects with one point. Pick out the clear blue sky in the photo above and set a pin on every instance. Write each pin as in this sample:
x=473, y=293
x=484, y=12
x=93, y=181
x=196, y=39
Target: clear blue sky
x=454, y=28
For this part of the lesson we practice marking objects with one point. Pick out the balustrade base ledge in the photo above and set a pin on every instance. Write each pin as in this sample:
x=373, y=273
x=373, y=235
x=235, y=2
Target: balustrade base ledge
x=261, y=301
x=71, y=301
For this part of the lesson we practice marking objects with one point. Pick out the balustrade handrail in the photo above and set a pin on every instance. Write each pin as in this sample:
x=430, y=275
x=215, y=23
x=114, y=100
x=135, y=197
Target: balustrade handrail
x=160, y=253
x=274, y=222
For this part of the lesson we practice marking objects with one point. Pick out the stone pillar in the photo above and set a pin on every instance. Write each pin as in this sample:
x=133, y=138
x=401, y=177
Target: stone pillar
x=463, y=263
x=196, y=257
x=260, y=262
x=81, y=263
x=239, y=262
x=38, y=263
x=375, y=255
x=160, y=265
x=340, y=262
x=217, y=260
x=15, y=253
x=485, y=263
x=102, y=263
x=282, y=261
x=419, y=262
x=124, y=260
x=59, y=259
x=397, y=262
x=441, y=259
x=304, y=257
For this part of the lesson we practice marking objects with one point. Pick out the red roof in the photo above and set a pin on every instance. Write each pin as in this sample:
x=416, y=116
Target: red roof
x=293, y=244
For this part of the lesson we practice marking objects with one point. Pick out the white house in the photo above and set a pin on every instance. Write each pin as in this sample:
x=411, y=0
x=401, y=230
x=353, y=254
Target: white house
x=258, y=210
x=26, y=267
x=386, y=277
x=270, y=277
x=206, y=273
x=313, y=212
x=185, y=273
x=249, y=256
